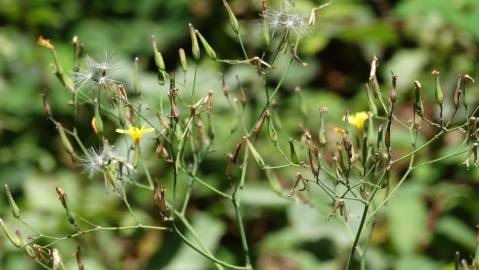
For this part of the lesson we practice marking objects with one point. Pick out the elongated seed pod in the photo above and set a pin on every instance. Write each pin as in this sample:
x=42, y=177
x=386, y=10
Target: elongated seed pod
x=438, y=93
x=233, y=21
x=183, y=62
x=292, y=150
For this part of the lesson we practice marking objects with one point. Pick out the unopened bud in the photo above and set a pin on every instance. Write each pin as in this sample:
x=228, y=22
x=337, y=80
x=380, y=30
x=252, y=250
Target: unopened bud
x=393, y=96
x=160, y=200
x=457, y=92
x=292, y=152
x=209, y=50
x=313, y=162
x=136, y=76
x=231, y=16
x=62, y=196
x=418, y=103
x=273, y=135
x=259, y=160
x=14, y=239
x=322, y=127
x=195, y=47
x=11, y=202
x=64, y=139
x=465, y=79
x=438, y=94
x=260, y=123
x=183, y=62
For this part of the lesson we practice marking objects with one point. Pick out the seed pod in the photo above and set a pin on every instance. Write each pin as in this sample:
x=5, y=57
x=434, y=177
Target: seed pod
x=226, y=88
x=393, y=96
x=260, y=123
x=211, y=130
x=64, y=139
x=438, y=94
x=136, y=76
x=322, y=127
x=380, y=136
x=195, y=48
x=292, y=150
x=373, y=81
x=255, y=153
x=232, y=17
x=62, y=196
x=160, y=200
x=230, y=165
x=242, y=95
x=313, y=162
x=161, y=151
x=11, y=202
x=457, y=92
x=209, y=50
x=312, y=17
x=418, y=105
x=348, y=147
x=342, y=209
x=183, y=62
x=299, y=178
x=237, y=152
x=372, y=106
x=14, y=239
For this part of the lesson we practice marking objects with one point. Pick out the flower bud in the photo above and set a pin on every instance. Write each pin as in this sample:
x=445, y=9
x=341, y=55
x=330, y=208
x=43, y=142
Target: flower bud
x=457, y=92
x=62, y=196
x=322, y=127
x=11, y=202
x=64, y=139
x=183, y=62
x=418, y=103
x=136, y=77
x=260, y=123
x=209, y=50
x=259, y=160
x=465, y=79
x=14, y=239
x=232, y=17
x=195, y=48
x=273, y=135
x=292, y=150
x=97, y=122
x=438, y=94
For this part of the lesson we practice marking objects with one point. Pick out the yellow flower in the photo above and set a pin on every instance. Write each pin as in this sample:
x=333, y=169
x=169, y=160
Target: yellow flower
x=358, y=119
x=135, y=133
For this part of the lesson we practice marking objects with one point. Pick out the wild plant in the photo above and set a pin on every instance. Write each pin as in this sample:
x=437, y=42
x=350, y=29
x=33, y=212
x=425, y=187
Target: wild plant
x=352, y=162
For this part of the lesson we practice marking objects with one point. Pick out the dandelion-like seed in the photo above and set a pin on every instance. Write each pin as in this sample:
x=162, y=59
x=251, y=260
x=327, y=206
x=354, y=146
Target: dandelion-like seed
x=285, y=20
x=96, y=159
x=96, y=73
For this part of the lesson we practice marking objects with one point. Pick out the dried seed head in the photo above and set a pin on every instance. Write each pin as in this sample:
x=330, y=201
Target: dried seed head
x=160, y=200
x=419, y=107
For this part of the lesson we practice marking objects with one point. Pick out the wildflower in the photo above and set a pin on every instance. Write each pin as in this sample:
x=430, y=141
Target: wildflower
x=95, y=160
x=358, y=120
x=135, y=133
x=96, y=73
x=285, y=20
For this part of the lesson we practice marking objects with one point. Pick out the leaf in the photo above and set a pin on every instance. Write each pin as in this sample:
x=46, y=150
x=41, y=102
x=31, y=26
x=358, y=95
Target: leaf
x=457, y=231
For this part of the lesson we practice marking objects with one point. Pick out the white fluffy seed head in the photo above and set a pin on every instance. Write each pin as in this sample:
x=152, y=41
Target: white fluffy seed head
x=96, y=72
x=96, y=159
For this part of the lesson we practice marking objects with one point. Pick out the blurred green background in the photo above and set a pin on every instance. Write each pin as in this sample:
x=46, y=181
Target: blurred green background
x=433, y=215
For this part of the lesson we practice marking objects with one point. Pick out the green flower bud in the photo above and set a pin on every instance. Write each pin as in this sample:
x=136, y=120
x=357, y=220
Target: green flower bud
x=209, y=50
x=195, y=48
x=11, y=202
x=438, y=94
x=232, y=17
